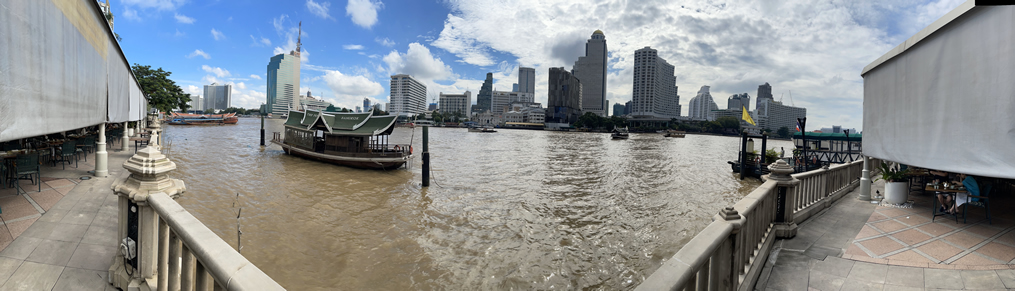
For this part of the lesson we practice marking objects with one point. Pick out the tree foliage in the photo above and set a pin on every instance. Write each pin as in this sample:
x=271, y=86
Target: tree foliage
x=594, y=121
x=162, y=92
x=783, y=132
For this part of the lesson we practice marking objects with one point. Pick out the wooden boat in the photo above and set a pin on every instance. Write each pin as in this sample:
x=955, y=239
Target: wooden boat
x=485, y=129
x=202, y=119
x=620, y=133
x=358, y=140
x=674, y=133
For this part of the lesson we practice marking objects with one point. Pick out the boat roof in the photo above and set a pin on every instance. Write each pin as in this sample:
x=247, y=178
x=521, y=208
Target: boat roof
x=829, y=136
x=336, y=123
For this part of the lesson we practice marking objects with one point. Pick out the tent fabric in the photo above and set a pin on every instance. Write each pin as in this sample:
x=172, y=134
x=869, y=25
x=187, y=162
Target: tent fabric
x=947, y=102
x=52, y=76
x=119, y=91
x=137, y=100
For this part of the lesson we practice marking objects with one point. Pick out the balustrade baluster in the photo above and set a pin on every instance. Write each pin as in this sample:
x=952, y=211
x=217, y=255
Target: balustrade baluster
x=163, y=269
x=703, y=276
x=187, y=275
x=204, y=281
x=174, y=262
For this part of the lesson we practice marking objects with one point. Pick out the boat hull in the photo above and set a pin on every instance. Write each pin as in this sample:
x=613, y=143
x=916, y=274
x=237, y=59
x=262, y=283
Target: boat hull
x=354, y=162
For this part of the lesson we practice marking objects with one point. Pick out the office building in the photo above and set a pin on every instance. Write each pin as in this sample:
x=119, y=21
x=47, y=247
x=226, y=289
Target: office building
x=387, y=106
x=701, y=106
x=483, y=100
x=284, y=81
x=308, y=102
x=358, y=109
x=764, y=92
x=564, y=97
x=773, y=114
x=431, y=107
x=526, y=80
x=500, y=100
x=514, y=87
x=196, y=103
x=739, y=102
x=627, y=108
x=456, y=103
x=591, y=70
x=366, y=102
x=655, y=86
x=408, y=96
x=619, y=109
x=217, y=96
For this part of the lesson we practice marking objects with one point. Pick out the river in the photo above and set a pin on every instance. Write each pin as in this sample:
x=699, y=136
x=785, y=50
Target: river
x=516, y=209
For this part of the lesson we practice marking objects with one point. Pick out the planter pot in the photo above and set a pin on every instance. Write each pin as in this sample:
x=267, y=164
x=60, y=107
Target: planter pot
x=896, y=192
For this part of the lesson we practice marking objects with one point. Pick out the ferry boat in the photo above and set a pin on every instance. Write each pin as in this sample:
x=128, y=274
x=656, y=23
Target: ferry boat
x=672, y=133
x=358, y=140
x=620, y=133
x=202, y=119
x=485, y=129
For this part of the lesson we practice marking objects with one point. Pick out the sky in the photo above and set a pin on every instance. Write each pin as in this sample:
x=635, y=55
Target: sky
x=811, y=52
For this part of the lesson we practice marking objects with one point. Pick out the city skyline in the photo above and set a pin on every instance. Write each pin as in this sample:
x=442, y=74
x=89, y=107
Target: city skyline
x=814, y=49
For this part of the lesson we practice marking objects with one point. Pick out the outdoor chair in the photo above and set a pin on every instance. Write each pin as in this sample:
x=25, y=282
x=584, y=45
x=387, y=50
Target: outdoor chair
x=67, y=150
x=85, y=145
x=25, y=166
x=10, y=146
x=981, y=201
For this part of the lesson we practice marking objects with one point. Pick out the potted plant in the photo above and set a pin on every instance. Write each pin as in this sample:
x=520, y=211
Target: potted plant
x=896, y=188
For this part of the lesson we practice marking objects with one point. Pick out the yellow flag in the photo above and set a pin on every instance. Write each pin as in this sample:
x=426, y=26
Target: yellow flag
x=747, y=117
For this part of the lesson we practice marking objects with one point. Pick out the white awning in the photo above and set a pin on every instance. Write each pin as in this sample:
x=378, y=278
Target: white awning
x=137, y=100
x=119, y=78
x=945, y=99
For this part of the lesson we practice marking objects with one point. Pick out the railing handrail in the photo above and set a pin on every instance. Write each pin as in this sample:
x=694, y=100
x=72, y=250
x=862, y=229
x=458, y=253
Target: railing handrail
x=689, y=258
x=225, y=264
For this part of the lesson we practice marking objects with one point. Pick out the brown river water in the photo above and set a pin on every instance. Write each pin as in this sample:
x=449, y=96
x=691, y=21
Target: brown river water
x=516, y=209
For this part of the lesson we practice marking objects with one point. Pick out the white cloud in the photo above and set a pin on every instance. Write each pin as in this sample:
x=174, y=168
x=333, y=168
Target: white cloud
x=219, y=72
x=363, y=12
x=290, y=32
x=217, y=34
x=349, y=89
x=252, y=76
x=240, y=86
x=130, y=14
x=199, y=53
x=385, y=41
x=154, y=4
x=183, y=19
x=262, y=41
x=179, y=34
x=209, y=79
x=194, y=90
x=418, y=62
x=352, y=47
x=319, y=9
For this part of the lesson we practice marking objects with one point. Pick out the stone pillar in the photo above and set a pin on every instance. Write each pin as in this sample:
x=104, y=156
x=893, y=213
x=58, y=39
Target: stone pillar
x=786, y=187
x=126, y=138
x=865, y=181
x=101, y=156
x=155, y=127
x=149, y=174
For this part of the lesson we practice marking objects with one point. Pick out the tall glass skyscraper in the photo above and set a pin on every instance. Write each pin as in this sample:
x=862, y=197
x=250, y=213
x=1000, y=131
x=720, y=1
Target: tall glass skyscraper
x=284, y=81
x=591, y=70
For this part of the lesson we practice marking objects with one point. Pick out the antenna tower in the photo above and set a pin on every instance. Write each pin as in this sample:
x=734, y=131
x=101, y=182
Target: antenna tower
x=299, y=47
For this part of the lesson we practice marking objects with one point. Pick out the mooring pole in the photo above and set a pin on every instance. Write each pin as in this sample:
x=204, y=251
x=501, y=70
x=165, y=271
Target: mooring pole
x=426, y=157
x=262, y=129
x=803, y=135
x=743, y=154
x=764, y=149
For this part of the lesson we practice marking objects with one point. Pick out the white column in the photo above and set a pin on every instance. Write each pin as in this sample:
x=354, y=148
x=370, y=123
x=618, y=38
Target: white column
x=126, y=139
x=865, y=181
x=101, y=161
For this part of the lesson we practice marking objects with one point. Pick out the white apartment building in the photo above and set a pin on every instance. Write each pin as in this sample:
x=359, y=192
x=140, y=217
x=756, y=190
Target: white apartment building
x=501, y=99
x=408, y=96
x=702, y=105
x=591, y=71
x=655, y=86
x=451, y=103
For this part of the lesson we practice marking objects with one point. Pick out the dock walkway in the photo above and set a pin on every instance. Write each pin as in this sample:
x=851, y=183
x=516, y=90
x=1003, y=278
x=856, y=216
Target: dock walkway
x=63, y=237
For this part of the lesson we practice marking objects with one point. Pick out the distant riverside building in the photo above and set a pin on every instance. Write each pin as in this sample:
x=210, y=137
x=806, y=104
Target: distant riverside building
x=627, y=108
x=833, y=129
x=591, y=70
x=484, y=99
x=284, y=81
x=514, y=87
x=702, y=105
x=217, y=96
x=527, y=112
x=366, y=102
x=358, y=109
x=739, y=102
x=431, y=107
x=377, y=106
x=655, y=86
x=387, y=106
x=773, y=114
x=308, y=102
x=564, y=97
x=526, y=80
x=619, y=109
x=408, y=96
x=196, y=103
x=499, y=100
x=764, y=92
x=456, y=103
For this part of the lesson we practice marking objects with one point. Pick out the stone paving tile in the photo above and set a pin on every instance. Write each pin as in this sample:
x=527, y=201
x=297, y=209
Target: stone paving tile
x=21, y=248
x=905, y=276
x=823, y=281
x=981, y=280
x=68, y=232
x=47, y=198
x=911, y=256
x=53, y=252
x=100, y=235
x=834, y=266
x=1008, y=238
x=890, y=287
x=855, y=284
x=892, y=212
x=913, y=220
x=942, y=279
x=39, y=229
x=876, y=217
x=60, y=183
x=855, y=250
x=935, y=229
x=54, y=215
x=82, y=279
x=868, y=272
x=8, y=192
x=974, y=259
x=1007, y=277
x=881, y=245
x=964, y=239
x=911, y=236
x=16, y=207
x=18, y=227
x=33, y=276
x=92, y=257
x=64, y=190
x=939, y=250
x=7, y=268
x=998, y=251
x=866, y=232
x=82, y=217
x=786, y=280
x=984, y=230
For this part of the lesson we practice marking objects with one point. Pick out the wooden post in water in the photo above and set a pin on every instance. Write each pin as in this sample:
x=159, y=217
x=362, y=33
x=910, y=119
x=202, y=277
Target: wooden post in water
x=764, y=150
x=426, y=157
x=743, y=153
x=803, y=135
x=262, y=129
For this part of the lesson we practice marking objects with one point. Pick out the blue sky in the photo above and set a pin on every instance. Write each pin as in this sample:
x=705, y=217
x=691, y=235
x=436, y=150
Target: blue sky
x=812, y=50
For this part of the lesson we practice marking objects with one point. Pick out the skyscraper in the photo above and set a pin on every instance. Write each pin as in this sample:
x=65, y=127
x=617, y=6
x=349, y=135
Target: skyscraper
x=526, y=80
x=655, y=87
x=452, y=104
x=483, y=99
x=217, y=96
x=284, y=80
x=591, y=70
x=764, y=92
x=618, y=109
x=366, y=102
x=701, y=106
x=408, y=96
x=564, y=97
x=739, y=102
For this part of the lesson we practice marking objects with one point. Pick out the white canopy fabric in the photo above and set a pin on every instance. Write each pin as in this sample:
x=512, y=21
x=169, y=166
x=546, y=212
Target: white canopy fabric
x=137, y=100
x=119, y=91
x=945, y=99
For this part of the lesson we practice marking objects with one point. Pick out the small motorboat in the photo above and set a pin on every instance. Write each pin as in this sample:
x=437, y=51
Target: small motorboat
x=620, y=133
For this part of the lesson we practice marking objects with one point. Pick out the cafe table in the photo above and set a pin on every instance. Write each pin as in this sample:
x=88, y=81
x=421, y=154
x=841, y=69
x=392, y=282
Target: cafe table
x=951, y=191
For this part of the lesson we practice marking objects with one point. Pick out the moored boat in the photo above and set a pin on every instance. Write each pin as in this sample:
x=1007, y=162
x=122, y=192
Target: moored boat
x=620, y=133
x=358, y=140
x=671, y=133
x=485, y=129
x=177, y=118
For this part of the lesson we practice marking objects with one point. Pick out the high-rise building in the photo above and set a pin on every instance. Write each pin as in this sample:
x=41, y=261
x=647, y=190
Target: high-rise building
x=358, y=109
x=618, y=109
x=655, y=86
x=408, y=96
x=739, y=102
x=764, y=92
x=456, y=103
x=500, y=100
x=308, y=102
x=483, y=100
x=514, y=87
x=217, y=96
x=564, y=97
x=627, y=108
x=773, y=114
x=284, y=80
x=591, y=70
x=526, y=80
x=196, y=103
x=366, y=102
x=701, y=105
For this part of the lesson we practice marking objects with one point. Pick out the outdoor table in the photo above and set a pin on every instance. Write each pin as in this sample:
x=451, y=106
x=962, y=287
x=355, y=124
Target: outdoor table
x=950, y=192
x=138, y=140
